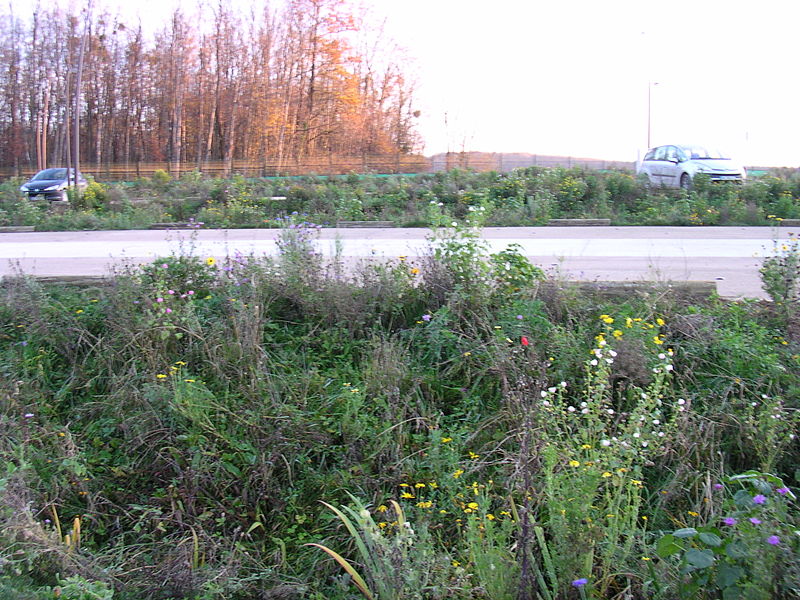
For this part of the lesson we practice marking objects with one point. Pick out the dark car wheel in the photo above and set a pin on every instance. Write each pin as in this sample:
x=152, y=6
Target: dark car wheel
x=686, y=181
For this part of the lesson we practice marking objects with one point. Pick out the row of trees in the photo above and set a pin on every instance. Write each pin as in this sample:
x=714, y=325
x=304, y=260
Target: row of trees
x=305, y=79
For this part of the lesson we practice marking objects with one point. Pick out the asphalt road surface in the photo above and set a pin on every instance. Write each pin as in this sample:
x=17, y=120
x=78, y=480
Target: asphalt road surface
x=729, y=256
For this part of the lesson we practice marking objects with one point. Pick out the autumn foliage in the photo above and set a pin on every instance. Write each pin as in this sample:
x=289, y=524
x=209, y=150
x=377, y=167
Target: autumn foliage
x=310, y=78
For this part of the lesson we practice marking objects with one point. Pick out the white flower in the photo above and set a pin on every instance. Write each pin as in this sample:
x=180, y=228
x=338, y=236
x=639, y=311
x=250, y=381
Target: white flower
x=552, y=390
x=662, y=356
x=605, y=443
x=637, y=435
x=609, y=360
x=669, y=367
x=613, y=353
x=593, y=362
x=545, y=403
x=584, y=405
x=543, y=394
x=585, y=411
x=610, y=411
x=571, y=408
x=681, y=401
x=656, y=422
x=660, y=434
x=563, y=384
x=644, y=444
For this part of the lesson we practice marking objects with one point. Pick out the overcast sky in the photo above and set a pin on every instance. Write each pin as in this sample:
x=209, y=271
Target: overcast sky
x=571, y=77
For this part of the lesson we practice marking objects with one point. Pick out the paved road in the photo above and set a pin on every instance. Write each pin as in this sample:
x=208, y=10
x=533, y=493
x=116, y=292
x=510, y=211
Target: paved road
x=729, y=256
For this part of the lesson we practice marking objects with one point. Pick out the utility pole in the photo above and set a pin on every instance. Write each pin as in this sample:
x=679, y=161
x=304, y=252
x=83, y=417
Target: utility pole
x=77, y=109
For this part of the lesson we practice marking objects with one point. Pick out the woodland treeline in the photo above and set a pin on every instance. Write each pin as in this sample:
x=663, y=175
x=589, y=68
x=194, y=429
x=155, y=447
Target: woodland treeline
x=276, y=82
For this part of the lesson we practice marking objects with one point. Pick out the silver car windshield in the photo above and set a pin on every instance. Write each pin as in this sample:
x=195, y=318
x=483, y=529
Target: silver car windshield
x=701, y=153
x=50, y=175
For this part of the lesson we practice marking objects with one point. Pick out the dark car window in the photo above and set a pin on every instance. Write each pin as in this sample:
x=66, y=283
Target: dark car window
x=50, y=174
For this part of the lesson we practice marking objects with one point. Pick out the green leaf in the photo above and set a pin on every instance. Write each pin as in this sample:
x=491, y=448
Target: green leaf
x=710, y=539
x=699, y=559
x=736, y=550
x=667, y=546
x=732, y=593
x=686, y=532
x=728, y=575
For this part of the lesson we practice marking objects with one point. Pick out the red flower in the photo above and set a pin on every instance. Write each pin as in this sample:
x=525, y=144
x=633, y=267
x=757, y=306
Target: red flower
x=524, y=341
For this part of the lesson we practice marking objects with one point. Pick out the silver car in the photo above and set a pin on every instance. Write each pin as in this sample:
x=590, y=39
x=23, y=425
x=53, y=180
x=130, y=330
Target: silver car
x=676, y=166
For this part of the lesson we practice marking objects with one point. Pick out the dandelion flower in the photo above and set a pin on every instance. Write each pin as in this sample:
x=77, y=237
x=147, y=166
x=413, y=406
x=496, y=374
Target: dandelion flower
x=211, y=261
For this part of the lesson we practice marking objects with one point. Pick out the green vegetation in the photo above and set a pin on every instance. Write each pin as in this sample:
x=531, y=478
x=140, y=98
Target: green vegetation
x=465, y=427
x=530, y=196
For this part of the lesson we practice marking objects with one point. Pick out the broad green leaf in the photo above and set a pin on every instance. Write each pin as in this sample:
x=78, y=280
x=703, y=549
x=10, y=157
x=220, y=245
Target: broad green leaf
x=733, y=592
x=686, y=532
x=699, y=559
x=710, y=539
x=736, y=550
x=728, y=575
x=667, y=546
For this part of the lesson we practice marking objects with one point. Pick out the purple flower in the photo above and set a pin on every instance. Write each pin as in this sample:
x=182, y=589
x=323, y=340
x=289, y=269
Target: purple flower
x=773, y=540
x=718, y=486
x=165, y=266
x=168, y=310
x=755, y=521
x=28, y=415
x=782, y=491
x=159, y=299
x=520, y=317
x=759, y=499
x=426, y=317
x=729, y=521
x=580, y=582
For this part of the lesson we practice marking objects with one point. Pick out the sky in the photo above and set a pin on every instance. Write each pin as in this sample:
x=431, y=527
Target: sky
x=592, y=79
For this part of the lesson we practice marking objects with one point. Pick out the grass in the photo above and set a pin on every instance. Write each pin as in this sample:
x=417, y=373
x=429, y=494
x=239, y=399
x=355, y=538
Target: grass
x=524, y=197
x=272, y=428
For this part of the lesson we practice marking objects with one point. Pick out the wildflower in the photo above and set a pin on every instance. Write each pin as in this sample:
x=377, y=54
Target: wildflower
x=447, y=440
x=574, y=463
x=211, y=261
x=28, y=415
x=490, y=516
x=717, y=486
x=759, y=499
x=580, y=582
x=520, y=317
x=473, y=456
x=729, y=521
x=692, y=513
x=79, y=311
x=414, y=271
x=458, y=473
x=406, y=495
x=605, y=443
x=755, y=521
x=382, y=508
x=473, y=505
x=524, y=341
x=617, y=333
x=426, y=318
x=419, y=485
x=159, y=299
x=773, y=540
x=606, y=475
x=161, y=376
x=586, y=447
x=657, y=340
x=467, y=354
x=426, y=504
x=660, y=322
x=782, y=491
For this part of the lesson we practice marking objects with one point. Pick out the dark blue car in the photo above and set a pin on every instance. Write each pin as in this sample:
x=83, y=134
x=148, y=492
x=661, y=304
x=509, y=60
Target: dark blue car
x=51, y=184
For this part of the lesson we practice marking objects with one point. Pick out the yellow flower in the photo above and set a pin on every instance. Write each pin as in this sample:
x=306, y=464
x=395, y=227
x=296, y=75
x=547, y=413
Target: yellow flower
x=79, y=311
x=414, y=271
x=473, y=505
x=406, y=495
x=574, y=463
x=660, y=322
x=467, y=354
x=456, y=563
x=636, y=482
x=458, y=473
x=426, y=504
x=382, y=524
x=211, y=261
x=693, y=513
x=419, y=485
x=490, y=516
x=447, y=440
x=473, y=456
x=383, y=508
x=606, y=474
x=617, y=333
x=586, y=447
x=161, y=376
x=628, y=322
x=404, y=485
x=433, y=485
x=657, y=340
x=189, y=380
